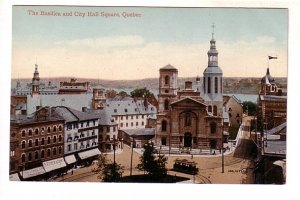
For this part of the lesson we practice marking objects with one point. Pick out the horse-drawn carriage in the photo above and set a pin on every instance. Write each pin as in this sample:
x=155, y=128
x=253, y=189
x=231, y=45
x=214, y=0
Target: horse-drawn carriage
x=185, y=166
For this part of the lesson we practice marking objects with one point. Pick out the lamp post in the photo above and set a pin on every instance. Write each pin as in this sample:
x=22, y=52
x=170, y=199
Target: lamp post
x=222, y=146
x=131, y=155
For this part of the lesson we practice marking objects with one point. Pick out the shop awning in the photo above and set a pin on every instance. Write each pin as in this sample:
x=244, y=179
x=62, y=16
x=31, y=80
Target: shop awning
x=54, y=164
x=89, y=153
x=14, y=177
x=33, y=172
x=70, y=159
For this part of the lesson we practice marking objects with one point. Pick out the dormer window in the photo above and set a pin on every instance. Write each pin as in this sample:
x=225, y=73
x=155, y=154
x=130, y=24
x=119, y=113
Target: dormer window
x=125, y=110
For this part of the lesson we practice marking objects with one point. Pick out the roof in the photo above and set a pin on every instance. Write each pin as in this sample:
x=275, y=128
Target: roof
x=74, y=101
x=213, y=70
x=140, y=131
x=104, y=118
x=70, y=114
x=180, y=100
x=277, y=129
x=268, y=78
x=273, y=98
x=168, y=67
x=128, y=106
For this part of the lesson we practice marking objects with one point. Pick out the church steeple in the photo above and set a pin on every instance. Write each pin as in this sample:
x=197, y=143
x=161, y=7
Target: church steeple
x=35, y=81
x=212, y=53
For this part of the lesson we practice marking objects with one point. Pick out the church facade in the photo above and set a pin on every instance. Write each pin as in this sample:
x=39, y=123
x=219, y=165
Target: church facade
x=193, y=117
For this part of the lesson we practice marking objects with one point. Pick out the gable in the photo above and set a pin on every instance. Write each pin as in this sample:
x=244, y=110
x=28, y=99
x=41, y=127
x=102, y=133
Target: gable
x=188, y=102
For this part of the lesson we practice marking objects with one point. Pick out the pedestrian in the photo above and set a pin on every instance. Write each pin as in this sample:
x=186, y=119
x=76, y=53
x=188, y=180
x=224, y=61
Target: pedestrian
x=192, y=156
x=72, y=172
x=214, y=153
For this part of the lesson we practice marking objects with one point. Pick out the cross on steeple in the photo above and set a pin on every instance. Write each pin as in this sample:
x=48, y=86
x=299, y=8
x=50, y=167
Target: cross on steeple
x=213, y=30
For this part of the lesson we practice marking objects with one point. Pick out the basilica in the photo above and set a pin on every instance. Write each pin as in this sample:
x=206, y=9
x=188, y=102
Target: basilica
x=193, y=117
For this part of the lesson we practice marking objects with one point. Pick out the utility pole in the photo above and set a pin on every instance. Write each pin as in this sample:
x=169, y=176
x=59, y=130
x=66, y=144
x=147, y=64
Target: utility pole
x=222, y=146
x=131, y=155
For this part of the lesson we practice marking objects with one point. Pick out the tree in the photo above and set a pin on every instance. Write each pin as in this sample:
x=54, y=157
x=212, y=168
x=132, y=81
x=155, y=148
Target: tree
x=155, y=167
x=250, y=107
x=107, y=170
x=141, y=92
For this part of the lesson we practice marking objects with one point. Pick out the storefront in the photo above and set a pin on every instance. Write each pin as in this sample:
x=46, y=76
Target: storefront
x=87, y=157
x=70, y=161
x=14, y=177
x=55, y=167
x=33, y=174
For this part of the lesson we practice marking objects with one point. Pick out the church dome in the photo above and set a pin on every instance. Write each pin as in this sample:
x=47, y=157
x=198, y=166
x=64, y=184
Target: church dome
x=213, y=70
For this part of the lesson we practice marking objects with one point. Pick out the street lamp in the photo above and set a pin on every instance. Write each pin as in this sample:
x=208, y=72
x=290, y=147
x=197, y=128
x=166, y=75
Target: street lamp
x=131, y=155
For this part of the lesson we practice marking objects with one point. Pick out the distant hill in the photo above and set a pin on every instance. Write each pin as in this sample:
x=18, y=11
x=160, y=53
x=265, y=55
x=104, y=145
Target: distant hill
x=231, y=84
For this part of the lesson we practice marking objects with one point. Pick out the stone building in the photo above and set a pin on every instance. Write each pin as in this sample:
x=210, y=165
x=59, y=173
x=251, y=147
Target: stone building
x=234, y=108
x=34, y=141
x=191, y=118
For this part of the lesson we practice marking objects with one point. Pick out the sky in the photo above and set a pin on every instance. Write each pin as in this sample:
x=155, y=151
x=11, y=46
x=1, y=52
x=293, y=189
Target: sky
x=123, y=48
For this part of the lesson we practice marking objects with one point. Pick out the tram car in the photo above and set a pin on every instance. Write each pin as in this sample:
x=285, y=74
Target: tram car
x=185, y=166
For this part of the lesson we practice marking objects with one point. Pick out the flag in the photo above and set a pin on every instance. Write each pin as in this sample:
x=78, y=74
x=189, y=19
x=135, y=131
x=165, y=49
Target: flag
x=271, y=57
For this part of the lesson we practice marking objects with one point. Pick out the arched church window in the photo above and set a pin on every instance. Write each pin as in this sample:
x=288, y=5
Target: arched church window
x=166, y=104
x=204, y=84
x=167, y=80
x=215, y=110
x=187, y=119
x=216, y=84
x=213, y=127
x=209, y=109
x=164, y=125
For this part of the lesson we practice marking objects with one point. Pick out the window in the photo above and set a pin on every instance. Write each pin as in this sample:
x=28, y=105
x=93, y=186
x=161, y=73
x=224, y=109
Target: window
x=221, y=85
x=125, y=110
x=121, y=117
x=131, y=123
x=204, y=84
x=60, y=128
x=48, y=140
x=167, y=80
x=36, y=131
x=164, y=125
x=30, y=132
x=187, y=119
x=132, y=117
x=142, y=123
x=30, y=143
x=136, y=116
x=43, y=141
x=48, y=152
x=54, y=139
x=143, y=116
x=75, y=146
x=166, y=91
x=87, y=124
x=48, y=129
x=60, y=138
x=93, y=132
x=43, y=153
x=60, y=149
x=54, y=129
x=166, y=104
x=81, y=125
x=163, y=141
x=43, y=131
x=54, y=151
x=208, y=84
x=213, y=127
x=36, y=155
x=36, y=142
x=29, y=156
x=23, y=133
x=23, y=144
x=126, y=124
x=216, y=85
x=121, y=124
x=23, y=157
x=114, y=128
x=215, y=110
x=69, y=147
x=209, y=109
x=136, y=123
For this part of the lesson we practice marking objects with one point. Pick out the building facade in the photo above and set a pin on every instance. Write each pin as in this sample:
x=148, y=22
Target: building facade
x=191, y=118
x=35, y=140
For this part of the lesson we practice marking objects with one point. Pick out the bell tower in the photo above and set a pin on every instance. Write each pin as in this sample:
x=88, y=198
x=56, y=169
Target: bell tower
x=168, y=77
x=35, y=82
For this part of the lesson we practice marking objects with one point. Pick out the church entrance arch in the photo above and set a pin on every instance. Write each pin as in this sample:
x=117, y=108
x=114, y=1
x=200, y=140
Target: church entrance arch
x=187, y=140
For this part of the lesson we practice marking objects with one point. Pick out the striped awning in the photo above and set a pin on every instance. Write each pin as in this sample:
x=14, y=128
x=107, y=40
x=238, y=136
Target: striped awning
x=89, y=153
x=70, y=159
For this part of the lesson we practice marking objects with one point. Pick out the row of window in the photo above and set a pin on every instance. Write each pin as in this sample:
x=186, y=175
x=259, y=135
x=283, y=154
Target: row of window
x=136, y=124
x=31, y=156
x=82, y=135
x=213, y=125
x=37, y=131
x=38, y=142
x=209, y=85
x=75, y=125
x=131, y=117
x=107, y=129
x=135, y=110
x=82, y=146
